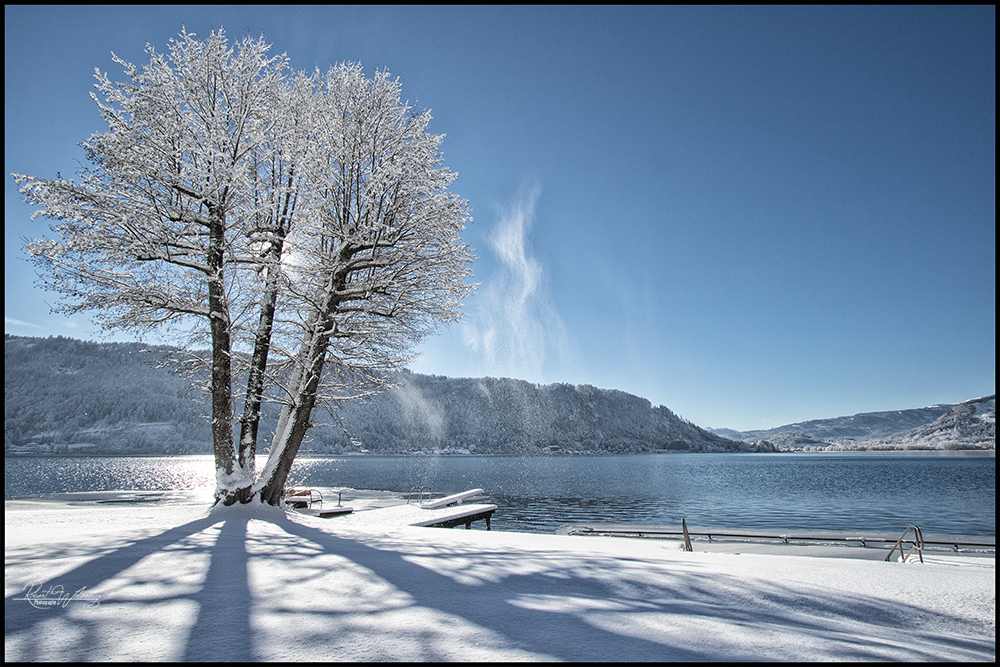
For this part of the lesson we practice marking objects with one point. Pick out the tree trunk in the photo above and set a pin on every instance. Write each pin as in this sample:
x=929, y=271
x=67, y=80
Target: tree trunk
x=221, y=388
x=294, y=421
x=295, y=418
x=250, y=421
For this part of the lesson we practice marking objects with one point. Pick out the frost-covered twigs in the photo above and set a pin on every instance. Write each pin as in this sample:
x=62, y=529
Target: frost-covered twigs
x=300, y=222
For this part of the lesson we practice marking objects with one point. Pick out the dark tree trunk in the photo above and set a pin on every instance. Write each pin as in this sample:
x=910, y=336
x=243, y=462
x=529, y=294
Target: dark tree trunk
x=250, y=421
x=296, y=416
x=221, y=389
x=296, y=423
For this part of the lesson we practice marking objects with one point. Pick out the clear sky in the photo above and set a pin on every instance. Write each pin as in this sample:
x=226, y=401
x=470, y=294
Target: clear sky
x=752, y=215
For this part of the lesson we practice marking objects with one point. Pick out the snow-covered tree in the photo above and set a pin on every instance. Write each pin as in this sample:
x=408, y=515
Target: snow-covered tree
x=268, y=212
x=147, y=236
x=376, y=263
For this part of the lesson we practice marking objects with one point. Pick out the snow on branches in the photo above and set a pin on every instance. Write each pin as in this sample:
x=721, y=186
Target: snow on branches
x=301, y=223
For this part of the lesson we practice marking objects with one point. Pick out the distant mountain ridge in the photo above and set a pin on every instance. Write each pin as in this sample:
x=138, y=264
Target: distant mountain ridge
x=967, y=425
x=862, y=426
x=68, y=396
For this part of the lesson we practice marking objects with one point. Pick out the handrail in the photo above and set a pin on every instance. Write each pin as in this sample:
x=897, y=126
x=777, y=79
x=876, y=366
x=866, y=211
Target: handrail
x=420, y=497
x=862, y=540
x=687, y=536
x=918, y=544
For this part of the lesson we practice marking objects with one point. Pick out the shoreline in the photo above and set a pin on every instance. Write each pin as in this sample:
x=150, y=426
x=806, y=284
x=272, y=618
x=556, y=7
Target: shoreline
x=721, y=539
x=173, y=581
x=978, y=451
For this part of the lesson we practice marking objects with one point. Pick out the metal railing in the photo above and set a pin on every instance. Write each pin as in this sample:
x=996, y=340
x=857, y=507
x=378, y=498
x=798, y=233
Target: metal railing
x=420, y=497
x=918, y=544
x=299, y=497
x=723, y=535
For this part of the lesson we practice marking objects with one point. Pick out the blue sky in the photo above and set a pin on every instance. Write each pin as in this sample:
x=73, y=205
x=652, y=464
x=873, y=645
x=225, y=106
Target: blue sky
x=752, y=215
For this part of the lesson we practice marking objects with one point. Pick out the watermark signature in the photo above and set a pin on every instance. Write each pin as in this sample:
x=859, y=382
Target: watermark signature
x=56, y=596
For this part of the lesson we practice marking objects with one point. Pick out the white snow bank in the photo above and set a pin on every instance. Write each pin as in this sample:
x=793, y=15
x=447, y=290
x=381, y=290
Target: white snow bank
x=174, y=582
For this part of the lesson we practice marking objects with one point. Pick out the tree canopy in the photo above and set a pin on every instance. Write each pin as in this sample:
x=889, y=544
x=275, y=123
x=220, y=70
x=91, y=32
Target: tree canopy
x=304, y=219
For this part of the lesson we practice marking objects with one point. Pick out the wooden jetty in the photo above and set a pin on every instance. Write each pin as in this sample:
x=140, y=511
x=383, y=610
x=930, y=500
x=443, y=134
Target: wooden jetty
x=447, y=512
x=302, y=500
x=460, y=516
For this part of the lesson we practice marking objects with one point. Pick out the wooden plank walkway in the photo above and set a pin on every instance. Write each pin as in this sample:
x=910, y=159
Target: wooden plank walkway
x=456, y=518
x=958, y=544
x=325, y=513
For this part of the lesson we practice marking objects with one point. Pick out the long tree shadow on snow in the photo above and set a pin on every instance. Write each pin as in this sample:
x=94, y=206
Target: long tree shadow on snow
x=565, y=635
x=223, y=598
x=508, y=604
x=543, y=634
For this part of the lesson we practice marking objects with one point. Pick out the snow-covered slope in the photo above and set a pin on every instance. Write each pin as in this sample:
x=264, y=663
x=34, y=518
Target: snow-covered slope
x=61, y=394
x=862, y=426
x=968, y=425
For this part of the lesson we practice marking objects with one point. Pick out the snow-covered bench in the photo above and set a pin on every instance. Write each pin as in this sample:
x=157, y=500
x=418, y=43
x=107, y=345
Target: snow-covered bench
x=299, y=498
x=455, y=499
x=302, y=500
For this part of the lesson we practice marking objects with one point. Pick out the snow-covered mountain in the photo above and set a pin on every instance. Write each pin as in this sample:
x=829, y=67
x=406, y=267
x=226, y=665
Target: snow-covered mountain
x=506, y=416
x=68, y=396
x=967, y=425
x=64, y=395
x=863, y=426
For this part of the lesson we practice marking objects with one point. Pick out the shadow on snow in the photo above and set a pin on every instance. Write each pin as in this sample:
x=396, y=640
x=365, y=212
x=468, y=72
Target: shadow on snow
x=552, y=605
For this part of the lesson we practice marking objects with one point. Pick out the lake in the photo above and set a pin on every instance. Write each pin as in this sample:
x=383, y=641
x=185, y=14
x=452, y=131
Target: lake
x=944, y=493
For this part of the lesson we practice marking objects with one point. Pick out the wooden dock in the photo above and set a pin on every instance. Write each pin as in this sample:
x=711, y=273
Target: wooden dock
x=457, y=517
x=325, y=513
x=447, y=512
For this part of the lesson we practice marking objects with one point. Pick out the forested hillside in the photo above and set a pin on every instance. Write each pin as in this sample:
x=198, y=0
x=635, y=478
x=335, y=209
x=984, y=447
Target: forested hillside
x=505, y=416
x=60, y=392
x=64, y=395
x=968, y=425
x=68, y=396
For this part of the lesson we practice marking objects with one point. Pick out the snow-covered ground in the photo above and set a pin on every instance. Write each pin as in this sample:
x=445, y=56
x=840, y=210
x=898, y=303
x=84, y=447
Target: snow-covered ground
x=171, y=581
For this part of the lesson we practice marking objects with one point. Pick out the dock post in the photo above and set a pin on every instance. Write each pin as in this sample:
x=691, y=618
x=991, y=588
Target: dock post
x=687, y=538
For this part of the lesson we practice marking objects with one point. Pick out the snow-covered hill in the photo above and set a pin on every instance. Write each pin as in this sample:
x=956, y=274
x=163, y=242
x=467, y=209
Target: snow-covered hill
x=968, y=425
x=863, y=426
x=69, y=396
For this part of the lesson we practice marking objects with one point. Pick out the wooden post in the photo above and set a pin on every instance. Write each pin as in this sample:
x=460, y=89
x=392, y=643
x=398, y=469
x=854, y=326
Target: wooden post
x=687, y=538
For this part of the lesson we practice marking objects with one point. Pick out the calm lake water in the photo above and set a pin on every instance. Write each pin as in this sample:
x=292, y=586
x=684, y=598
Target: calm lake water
x=865, y=492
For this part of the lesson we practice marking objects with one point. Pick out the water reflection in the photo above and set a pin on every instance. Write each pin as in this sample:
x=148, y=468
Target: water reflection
x=943, y=494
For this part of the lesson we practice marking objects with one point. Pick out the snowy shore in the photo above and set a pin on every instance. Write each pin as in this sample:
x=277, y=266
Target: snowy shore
x=171, y=581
